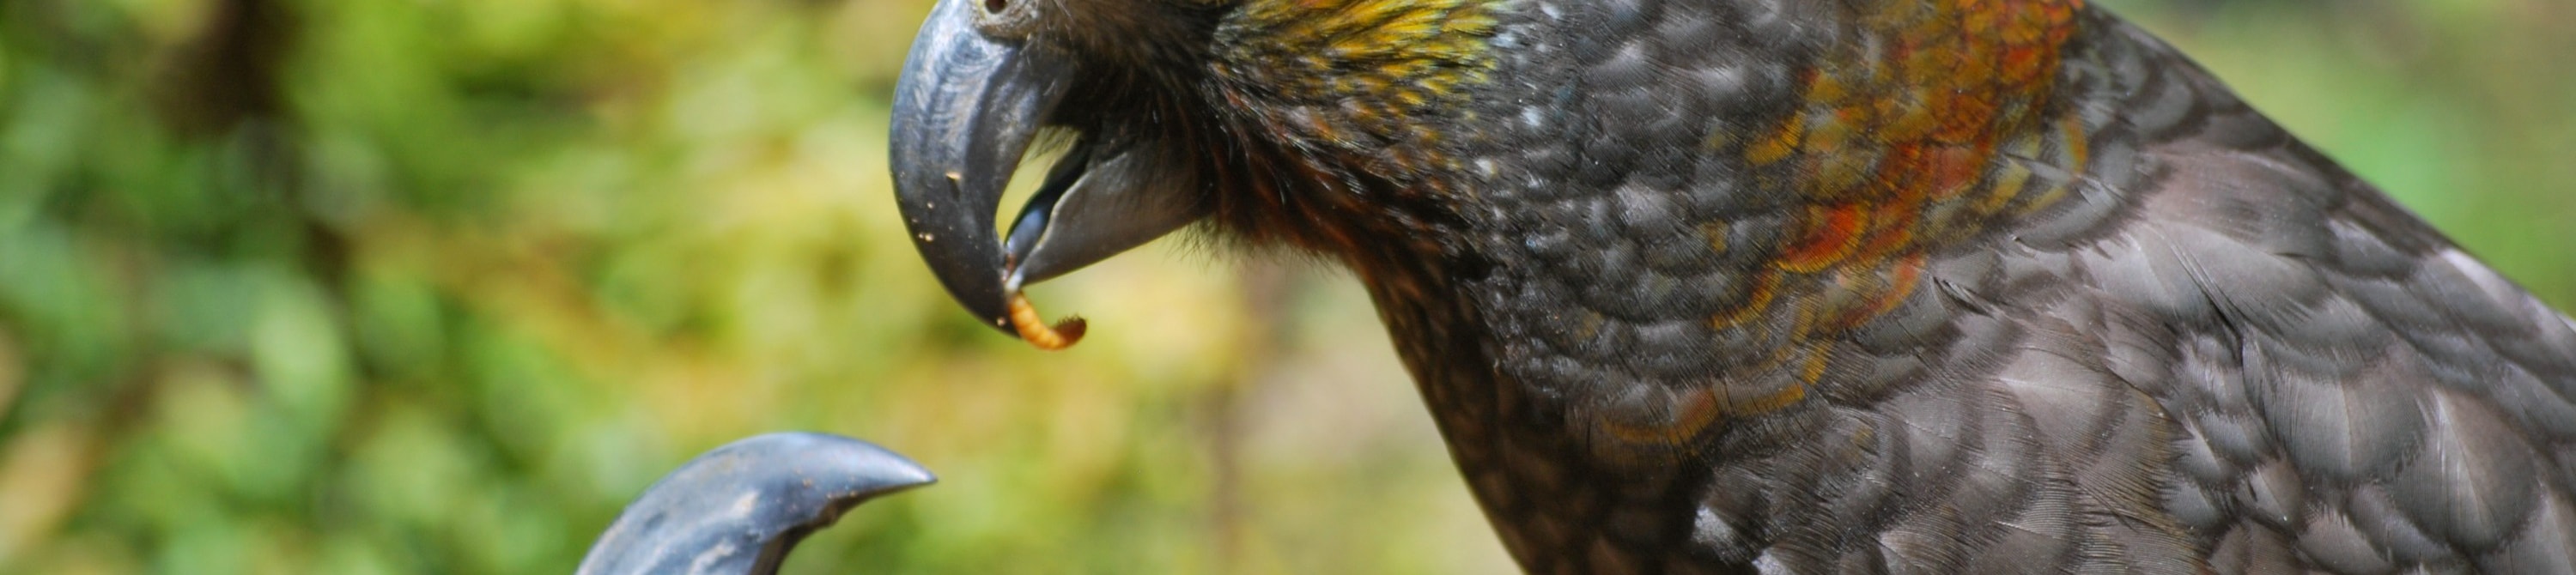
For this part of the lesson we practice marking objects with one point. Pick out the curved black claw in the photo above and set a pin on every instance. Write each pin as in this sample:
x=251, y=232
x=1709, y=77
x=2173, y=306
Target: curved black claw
x=739, y=508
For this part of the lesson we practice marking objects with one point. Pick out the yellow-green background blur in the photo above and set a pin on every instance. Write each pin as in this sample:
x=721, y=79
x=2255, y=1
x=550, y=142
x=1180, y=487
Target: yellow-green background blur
x=383, y=286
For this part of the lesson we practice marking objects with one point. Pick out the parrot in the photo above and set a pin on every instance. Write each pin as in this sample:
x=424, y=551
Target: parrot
x=1793, y=286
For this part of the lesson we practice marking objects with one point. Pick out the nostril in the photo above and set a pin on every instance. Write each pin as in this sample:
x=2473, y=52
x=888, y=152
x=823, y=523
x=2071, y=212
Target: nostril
x=996, y=6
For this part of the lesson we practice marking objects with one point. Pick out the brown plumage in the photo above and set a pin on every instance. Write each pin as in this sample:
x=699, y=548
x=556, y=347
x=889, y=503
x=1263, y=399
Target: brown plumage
x=1975, y=286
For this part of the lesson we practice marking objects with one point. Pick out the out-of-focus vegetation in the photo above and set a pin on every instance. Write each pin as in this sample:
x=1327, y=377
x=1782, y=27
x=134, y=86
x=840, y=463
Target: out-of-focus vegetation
x=361, y=286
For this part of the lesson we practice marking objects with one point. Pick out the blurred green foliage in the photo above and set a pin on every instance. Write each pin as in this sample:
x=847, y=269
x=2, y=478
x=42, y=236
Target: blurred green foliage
x=363, y=286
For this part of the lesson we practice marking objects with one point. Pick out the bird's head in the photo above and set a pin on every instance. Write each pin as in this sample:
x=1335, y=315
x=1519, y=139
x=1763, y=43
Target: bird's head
x=1296, y=120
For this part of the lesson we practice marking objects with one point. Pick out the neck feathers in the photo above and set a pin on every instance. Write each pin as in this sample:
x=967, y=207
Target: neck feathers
x=1667, y=217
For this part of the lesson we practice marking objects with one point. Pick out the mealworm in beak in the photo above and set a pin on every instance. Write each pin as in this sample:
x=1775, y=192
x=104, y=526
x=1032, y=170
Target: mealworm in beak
x=1063, y=334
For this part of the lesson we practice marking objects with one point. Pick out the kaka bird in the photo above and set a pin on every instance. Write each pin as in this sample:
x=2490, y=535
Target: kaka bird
x=1807, y=286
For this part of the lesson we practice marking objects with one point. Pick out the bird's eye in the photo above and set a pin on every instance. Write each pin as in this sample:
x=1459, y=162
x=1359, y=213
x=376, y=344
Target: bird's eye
x=996, y=6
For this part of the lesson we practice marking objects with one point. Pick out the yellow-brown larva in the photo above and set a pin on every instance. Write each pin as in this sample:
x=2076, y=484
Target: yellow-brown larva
x=1024, y=317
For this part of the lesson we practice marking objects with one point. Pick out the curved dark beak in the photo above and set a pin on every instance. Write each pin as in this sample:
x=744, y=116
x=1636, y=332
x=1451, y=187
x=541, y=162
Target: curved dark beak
x=741, y=507
x=965, y=110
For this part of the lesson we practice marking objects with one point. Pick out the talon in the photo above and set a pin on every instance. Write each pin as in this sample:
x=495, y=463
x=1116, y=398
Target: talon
x=1024, y=317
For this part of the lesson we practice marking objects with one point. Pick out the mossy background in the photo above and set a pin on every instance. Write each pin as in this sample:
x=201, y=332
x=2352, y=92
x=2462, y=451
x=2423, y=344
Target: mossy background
x=393, y=286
